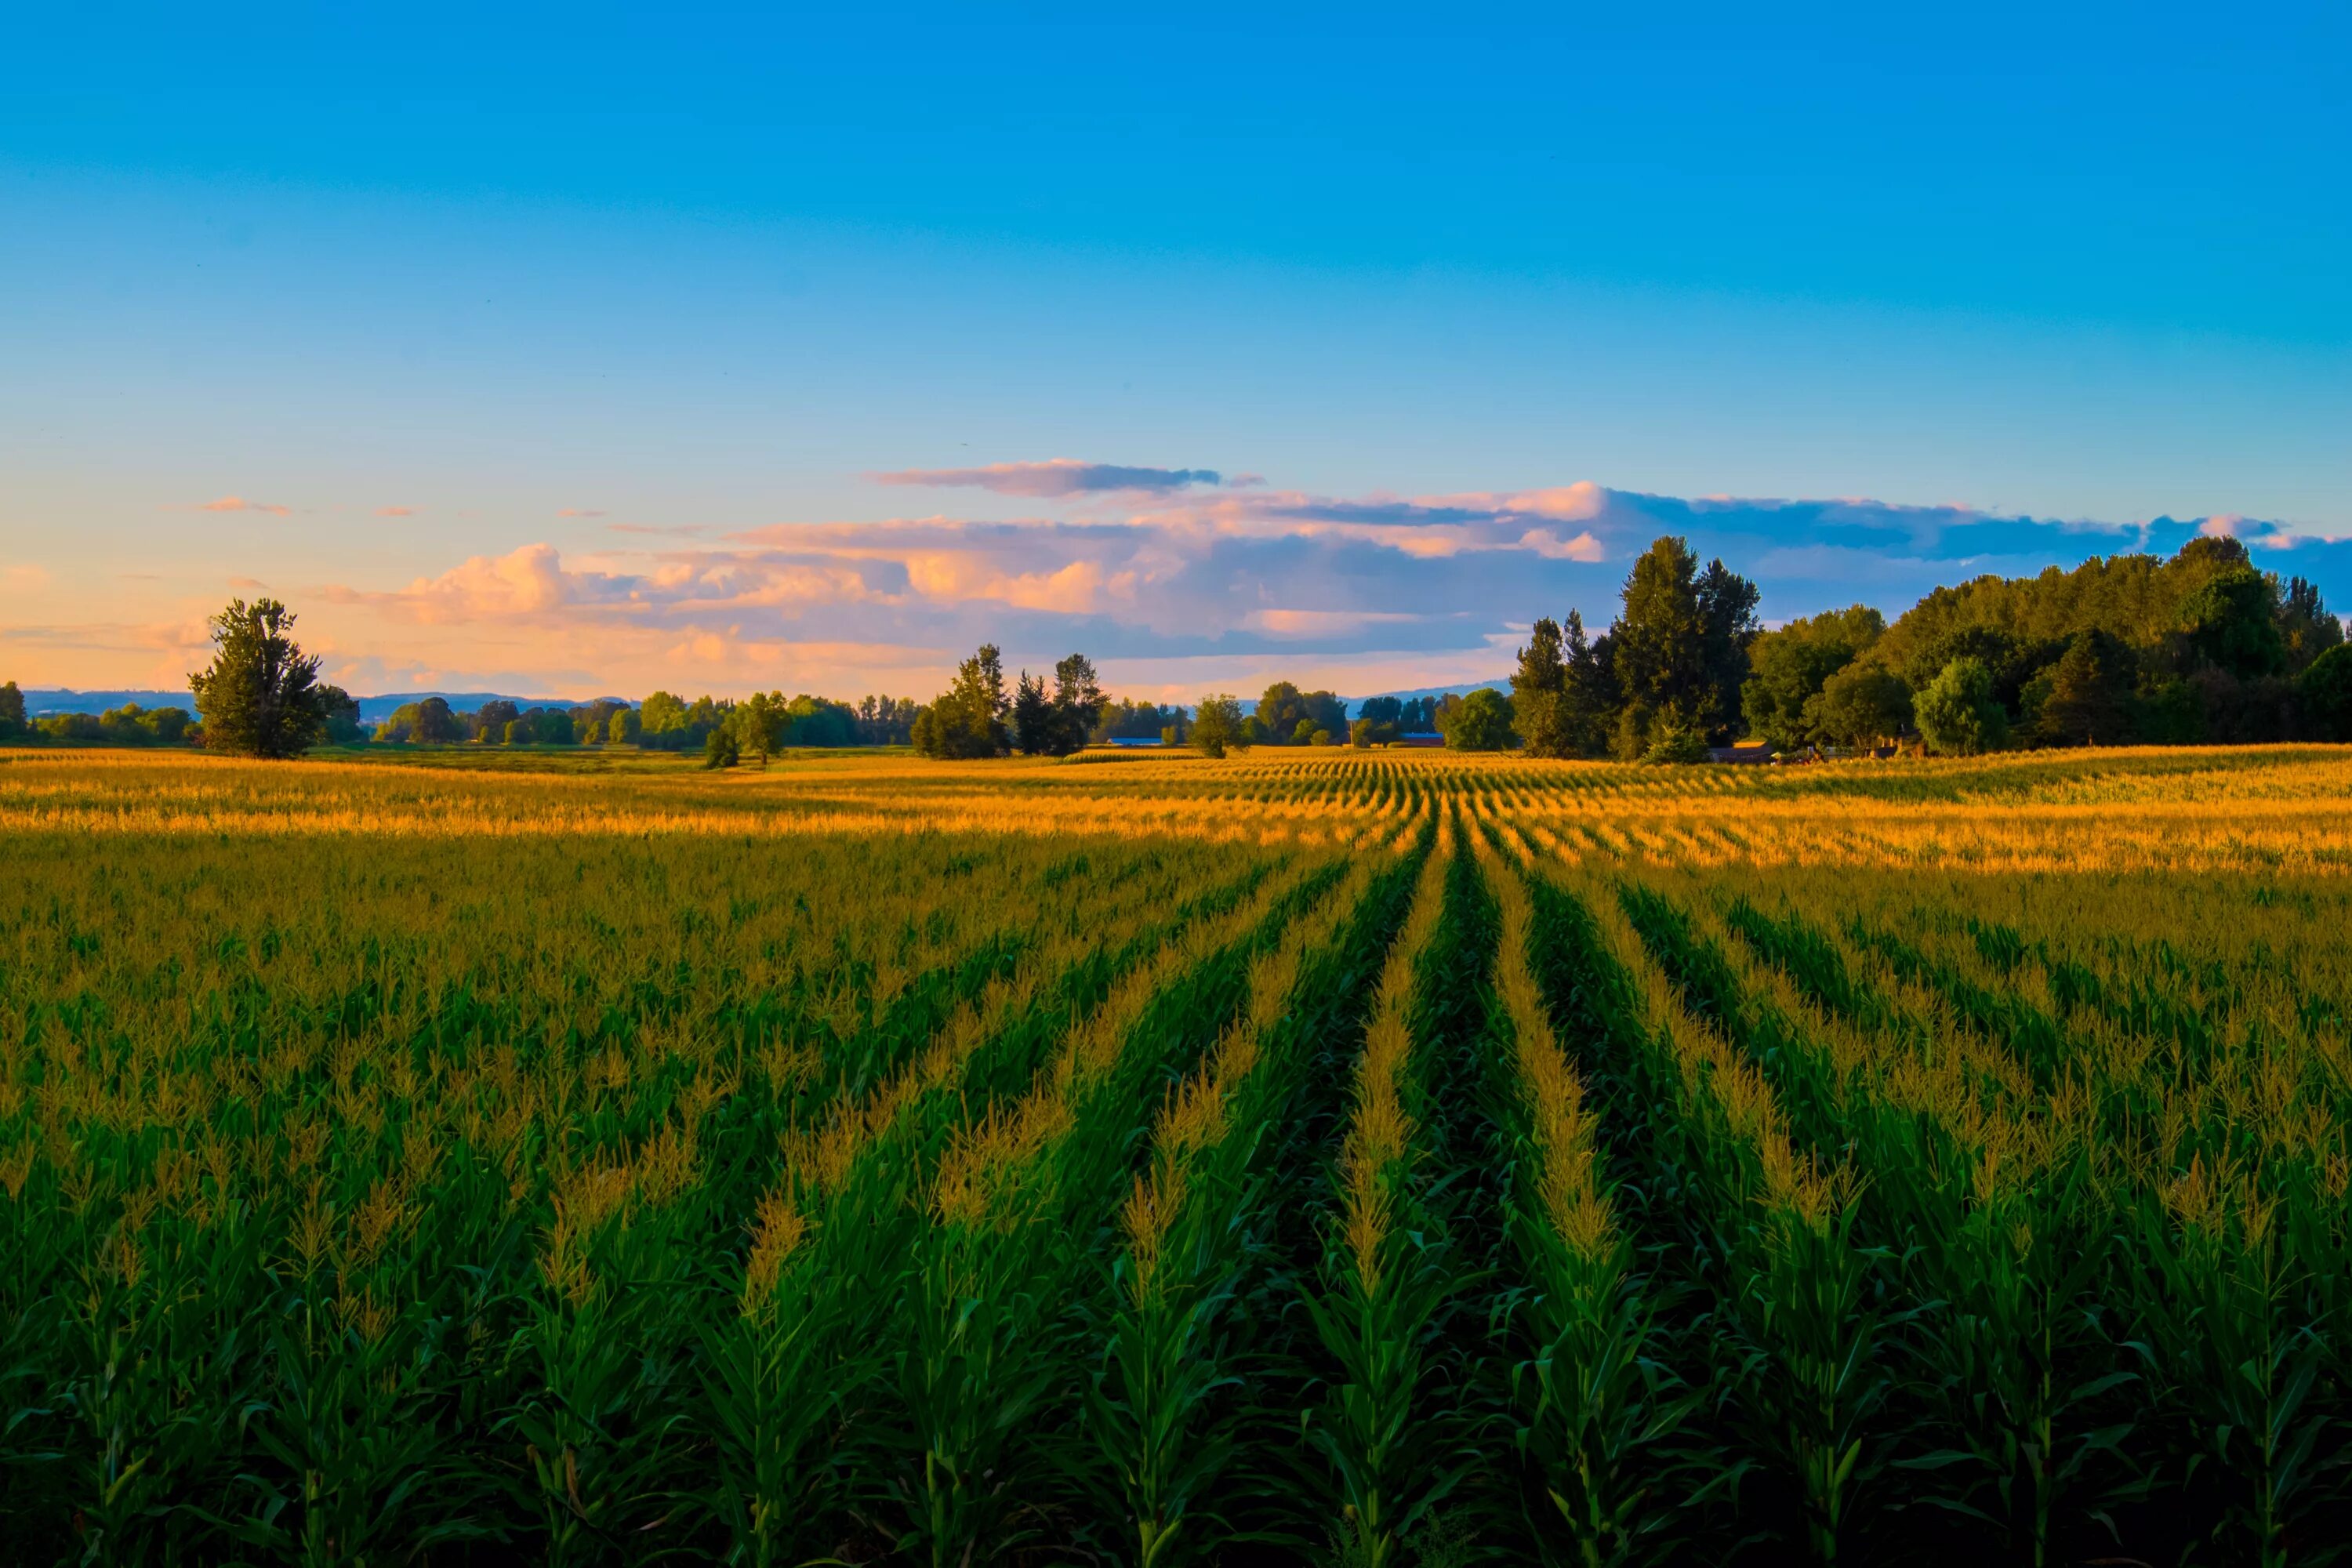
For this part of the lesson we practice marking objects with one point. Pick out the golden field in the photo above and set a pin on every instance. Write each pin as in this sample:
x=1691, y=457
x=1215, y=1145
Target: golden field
x=1315, y=1155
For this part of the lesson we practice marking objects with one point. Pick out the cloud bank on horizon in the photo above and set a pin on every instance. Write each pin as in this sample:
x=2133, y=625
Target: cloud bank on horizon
x=1176, y=580
x=1188, y=584
x=1059, y=477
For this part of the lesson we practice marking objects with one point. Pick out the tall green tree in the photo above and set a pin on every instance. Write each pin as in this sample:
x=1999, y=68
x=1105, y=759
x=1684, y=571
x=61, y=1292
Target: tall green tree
x=340, y=711
x=1660, y=637
x=12, y=712
x=2086, y=698
x=259, y=696
x=1727, y=629
x=1860, y=705
x=1218, y=725
x=1077, y=703
x=1036, y=727
x=2324, y=695
x=756, y=725
x=1679, y=648
x=968, y=720
x=1480, y=722
x=1540, y=691
x=2306, y=623
x=1789, y=667
x=2233, y=621
x=1589, y=693
x=1958, y=715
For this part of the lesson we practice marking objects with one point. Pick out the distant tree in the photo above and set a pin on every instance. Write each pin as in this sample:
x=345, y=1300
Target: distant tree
x=132, y=725
x=720, y=748
x=340, y=711
x=1036, y=727
x=1077, y=702
x=968, y=719
x=1789, y=667
x=1381, y=719
x=591, y=722
x=426, y=721
x=1540, y=692
x=660, y=715
x=819, y=721
x=754, y=727
x=1661, y=638
x=1217, y=726
x=2233, y=621
x=1589, y=689
x=2324, y=695
x=77, y=727
x=1302, y=732
x=1727, y=629
x=2306, y=626
x=888, y=720
x=259, y=696
x=1859, y=706
x=626, y=727
x=491, y=719
x=1958, y=714
x=1481, y=722
x=1134, y=720
x=12, y=712
x=1279, y=712
x=1359, y=733
x=2086, y=698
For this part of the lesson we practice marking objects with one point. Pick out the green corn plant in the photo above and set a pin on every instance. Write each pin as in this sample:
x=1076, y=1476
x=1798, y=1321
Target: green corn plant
x=1156, y=1407
x=1597, y=1410
x=1386, y=1276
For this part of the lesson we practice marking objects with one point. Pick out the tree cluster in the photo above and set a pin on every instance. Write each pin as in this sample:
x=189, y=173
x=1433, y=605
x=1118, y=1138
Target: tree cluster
x=1136, y=721
x=976, y=717
x=2121, y=650
x=1287, y=716
x=1382, y=721
x=886, y=721
x=1663, y=682
x=1054, y=721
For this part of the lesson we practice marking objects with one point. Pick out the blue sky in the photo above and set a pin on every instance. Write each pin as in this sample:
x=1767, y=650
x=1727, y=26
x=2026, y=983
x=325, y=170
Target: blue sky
x=559, y=348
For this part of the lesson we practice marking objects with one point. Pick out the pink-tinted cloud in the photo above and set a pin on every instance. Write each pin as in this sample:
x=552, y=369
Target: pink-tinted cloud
x=1182, y=582
x=1055, y=478
x=523, y=583
x=238, y=503
x=396, y=512
x=579, y=511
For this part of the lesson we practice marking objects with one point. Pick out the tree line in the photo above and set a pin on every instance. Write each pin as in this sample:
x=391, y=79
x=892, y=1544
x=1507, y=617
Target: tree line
x=2123, y=649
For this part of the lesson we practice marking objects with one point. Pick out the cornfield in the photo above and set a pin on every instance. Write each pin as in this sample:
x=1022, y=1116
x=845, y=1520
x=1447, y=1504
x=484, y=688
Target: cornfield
x=1384, y=1159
